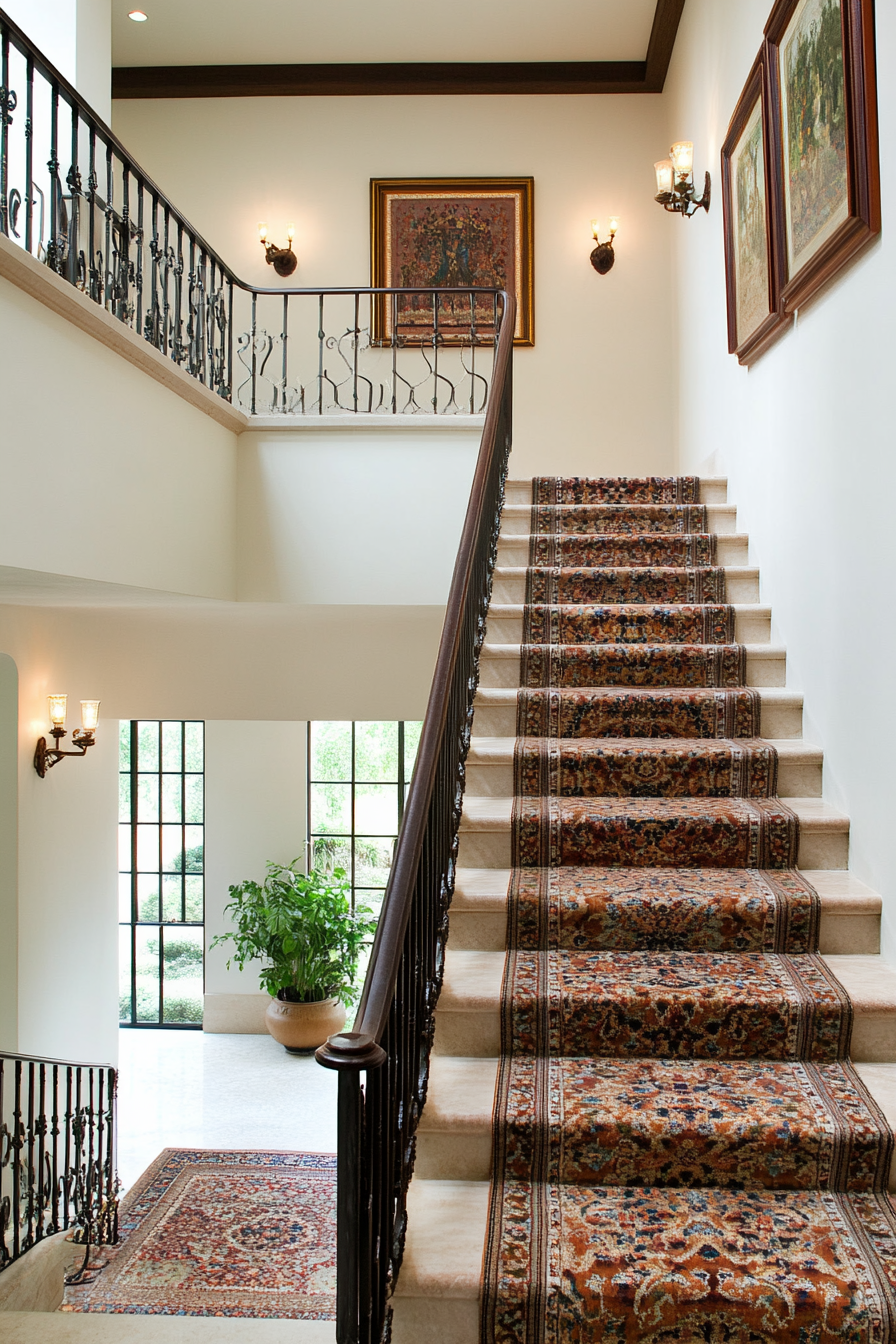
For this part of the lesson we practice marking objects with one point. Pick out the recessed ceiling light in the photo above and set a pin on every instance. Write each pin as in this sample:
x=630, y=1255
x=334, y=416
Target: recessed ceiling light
x=137, y=15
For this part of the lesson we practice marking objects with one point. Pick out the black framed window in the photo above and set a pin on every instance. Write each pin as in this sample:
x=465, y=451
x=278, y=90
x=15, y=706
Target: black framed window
x=161, y=872
x=358, y=778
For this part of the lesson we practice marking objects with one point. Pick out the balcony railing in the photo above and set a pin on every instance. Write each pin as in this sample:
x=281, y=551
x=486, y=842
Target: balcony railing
x=72, y=197
x=57, y=1153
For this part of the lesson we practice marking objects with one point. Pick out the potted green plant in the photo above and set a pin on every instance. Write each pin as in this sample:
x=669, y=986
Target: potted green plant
x=302, y=928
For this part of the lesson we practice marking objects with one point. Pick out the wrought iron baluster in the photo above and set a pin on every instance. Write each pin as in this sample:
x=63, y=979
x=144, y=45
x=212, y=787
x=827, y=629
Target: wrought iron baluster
x=284, y=373
x=254, y=357
x=123, y=306
x=29, y=154
x=138, y=276
x=54, y=1166
x=321, y=336
x=53, y=165
x=73, y=182
x=92, y=184
x=107, y=232
x=355, y=344
x=435, y=352
x=7, y=107
x=17, y=1143
x=67, y=1165
x=393, y=300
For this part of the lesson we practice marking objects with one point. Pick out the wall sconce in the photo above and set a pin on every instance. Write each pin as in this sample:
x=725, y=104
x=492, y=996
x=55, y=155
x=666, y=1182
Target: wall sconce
x=46, y=757
x=675, y=182
x=603, y=256
x=283, y=259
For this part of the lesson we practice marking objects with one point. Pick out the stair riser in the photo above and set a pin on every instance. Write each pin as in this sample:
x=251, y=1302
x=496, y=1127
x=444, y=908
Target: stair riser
x=467, y=1156
x=838, y=935
x=513, y=551
x=711, y=492
x=777, y=721
x=822, y=848
x=513, y=590
x=496, y=781
x=516, y=520
x=476, y=1034
x=763, y=669
x=749, y=628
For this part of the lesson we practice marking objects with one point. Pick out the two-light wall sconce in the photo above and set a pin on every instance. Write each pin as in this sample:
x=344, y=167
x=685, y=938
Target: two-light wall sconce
x=603, y=256
x=675, y=182
x=46, y=757
x=283, y=259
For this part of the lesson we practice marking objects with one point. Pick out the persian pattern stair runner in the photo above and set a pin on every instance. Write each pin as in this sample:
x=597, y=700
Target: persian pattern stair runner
x=682, y=1149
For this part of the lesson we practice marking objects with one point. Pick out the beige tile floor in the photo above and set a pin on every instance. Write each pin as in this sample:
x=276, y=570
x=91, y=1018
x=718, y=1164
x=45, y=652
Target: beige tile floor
x=191, y=1090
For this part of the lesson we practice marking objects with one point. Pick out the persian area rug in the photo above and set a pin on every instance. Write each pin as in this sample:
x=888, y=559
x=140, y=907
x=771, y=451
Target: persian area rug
x=667, y=1005
x=620, y=549
x=684, y=666
x=632, y=624
x=689, y=1266
x=660, y=768
x=662, y=909
x=217, y=1233
x=616, y=490
x=743, y=1124
x=653, y=833
x=632, y=519
x=630, y=712
x=625, y=585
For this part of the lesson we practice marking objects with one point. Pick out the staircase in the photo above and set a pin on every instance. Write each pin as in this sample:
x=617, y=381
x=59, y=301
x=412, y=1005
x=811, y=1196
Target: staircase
x=565, y=801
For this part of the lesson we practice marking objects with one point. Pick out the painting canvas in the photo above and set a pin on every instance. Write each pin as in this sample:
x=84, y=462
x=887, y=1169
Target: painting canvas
x=442, y=234
x=823, y=104
x=752, y=248
x=750, y=228
x=813, y=108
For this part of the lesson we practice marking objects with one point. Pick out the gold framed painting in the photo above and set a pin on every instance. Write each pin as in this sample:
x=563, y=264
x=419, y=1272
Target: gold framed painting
x=753, y=252
x=823, y=98
x=462, y=233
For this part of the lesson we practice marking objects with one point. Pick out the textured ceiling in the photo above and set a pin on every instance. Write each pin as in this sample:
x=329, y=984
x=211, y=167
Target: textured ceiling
x=245, y=32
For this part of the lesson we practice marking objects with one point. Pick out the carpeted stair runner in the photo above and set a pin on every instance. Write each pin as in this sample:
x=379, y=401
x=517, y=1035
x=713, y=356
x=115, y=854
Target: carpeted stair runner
x=682, y=1150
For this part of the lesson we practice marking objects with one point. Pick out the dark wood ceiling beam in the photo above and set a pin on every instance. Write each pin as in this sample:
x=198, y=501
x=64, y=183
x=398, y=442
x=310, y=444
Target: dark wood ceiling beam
x=411, y=78
x=292, y=81
x=662, y=40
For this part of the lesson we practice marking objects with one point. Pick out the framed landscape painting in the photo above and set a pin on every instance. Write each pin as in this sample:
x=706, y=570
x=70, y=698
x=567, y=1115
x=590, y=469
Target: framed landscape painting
x=823, y=98
x=753, y=252
x=451, y=233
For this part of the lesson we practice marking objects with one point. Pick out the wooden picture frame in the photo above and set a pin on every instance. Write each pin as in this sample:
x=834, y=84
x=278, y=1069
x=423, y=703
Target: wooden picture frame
x=823, y=105
x=444, y=232
x=752, y=223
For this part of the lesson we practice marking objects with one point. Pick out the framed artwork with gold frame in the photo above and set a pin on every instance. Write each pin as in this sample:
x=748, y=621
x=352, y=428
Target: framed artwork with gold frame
x=456, y=233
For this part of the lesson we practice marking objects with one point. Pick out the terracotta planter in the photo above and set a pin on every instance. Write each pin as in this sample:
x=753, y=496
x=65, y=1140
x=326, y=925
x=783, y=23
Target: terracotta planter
x=302, y=1027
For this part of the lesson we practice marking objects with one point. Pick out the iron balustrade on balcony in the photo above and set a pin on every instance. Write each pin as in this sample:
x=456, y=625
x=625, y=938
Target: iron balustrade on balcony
x=72, y=197
x=392, y=1036
x=57, y=1154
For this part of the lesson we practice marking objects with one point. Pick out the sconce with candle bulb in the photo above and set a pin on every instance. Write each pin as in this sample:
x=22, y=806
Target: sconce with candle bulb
x=675, y=182
x=283, y=259
x=603, y=256
x=46, y=757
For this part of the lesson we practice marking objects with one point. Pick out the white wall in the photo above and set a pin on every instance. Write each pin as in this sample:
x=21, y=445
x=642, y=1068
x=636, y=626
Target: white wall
x=76, y=37
x=805, y=437
x=255, y=812
x=594, y=392
x=104, y=473
x=252, y=672
x=352, y=516
x=9, y=912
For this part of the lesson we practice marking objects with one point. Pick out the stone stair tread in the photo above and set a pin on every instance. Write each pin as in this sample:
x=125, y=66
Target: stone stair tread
x=521, y=482
x=507, y=695
x=476, y=976
x=870, y=981
x=505, y=610
x=499, y=750
x=493, y=814
x=520, y=571
x=446, y=1233
x=496, y=649
x=840, y=892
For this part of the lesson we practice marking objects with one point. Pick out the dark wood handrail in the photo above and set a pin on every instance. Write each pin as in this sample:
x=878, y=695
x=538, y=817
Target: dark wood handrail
x=359, y=1049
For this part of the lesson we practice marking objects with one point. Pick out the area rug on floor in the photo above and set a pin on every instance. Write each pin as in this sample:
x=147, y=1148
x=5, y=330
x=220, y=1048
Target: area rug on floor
x=218, y=1233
